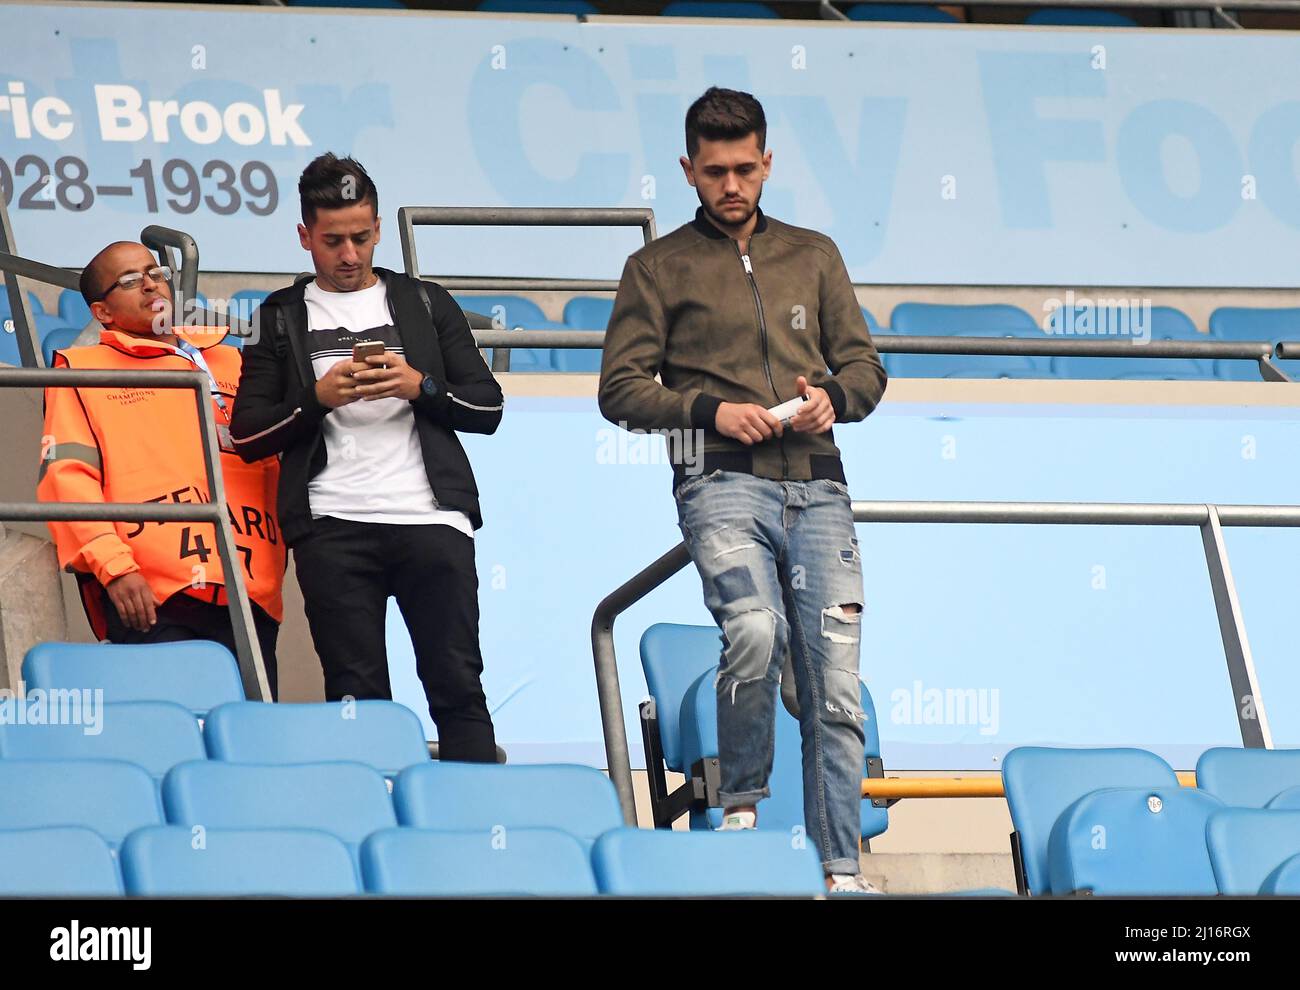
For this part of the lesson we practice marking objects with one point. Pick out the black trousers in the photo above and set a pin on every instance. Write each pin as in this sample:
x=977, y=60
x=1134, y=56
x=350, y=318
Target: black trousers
x=348, y=570
x=183, y=617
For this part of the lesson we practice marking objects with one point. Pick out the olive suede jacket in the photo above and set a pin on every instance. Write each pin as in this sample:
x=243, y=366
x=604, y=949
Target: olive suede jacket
x=716, y=327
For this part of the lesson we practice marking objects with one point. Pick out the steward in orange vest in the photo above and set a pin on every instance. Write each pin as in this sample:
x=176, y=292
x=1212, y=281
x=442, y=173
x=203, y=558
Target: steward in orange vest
x=155, y=582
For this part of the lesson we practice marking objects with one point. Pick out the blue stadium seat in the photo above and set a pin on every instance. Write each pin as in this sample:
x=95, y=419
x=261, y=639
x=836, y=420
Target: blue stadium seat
x=1042, y=782
x=588, y=312
x=510, y=312
x=513, y=862
x=899, y=12
x=939, y=320
x=245, y=301
x=1078, y=17
x=673, y=657
x=1287, y=800
x=1251, y=323
x=1247, y=778
x=176, y=861
x=704, y=8
x=659, y=863
x=56, y=340
x=583, y=313
x=872, y=324
x=476, y=797
x=74, y=311
x=155, y=735
x=1285, y=880
x=47, y=324
x=1124, y=322
x=1248, y=844
x=56, y=862
x=196, y=674
x=1134, y=841
x=574, y=7
x=348, y=800
x=110, y=797
x=965, y=366
x=9, y=353
x=46, y=327
x=1133, y=369
x=926, y=320
x=1165, y=323
x=784, y=809
x=7, y=310
x=381, y=734
x=1237, y=323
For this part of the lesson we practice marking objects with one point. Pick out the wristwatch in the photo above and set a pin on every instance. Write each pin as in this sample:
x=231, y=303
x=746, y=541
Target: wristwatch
x=428, y=386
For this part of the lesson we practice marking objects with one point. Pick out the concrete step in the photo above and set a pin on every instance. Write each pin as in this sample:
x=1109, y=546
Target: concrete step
x=938, y=873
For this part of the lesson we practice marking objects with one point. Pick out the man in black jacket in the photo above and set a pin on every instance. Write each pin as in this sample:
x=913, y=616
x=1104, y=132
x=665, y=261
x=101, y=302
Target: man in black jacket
x=376, y=495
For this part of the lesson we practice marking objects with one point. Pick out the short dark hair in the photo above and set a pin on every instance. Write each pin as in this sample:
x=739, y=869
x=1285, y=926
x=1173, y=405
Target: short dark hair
x=332, y=183
x=724, y=115
x=95, y=277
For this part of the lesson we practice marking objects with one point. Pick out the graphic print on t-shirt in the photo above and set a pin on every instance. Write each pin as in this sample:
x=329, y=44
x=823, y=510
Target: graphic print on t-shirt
x=374, y=469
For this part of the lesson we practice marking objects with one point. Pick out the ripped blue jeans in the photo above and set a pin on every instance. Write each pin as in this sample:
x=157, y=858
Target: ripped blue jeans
x=782, y=575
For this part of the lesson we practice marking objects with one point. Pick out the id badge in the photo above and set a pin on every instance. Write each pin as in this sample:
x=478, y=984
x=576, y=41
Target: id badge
x=224, y=440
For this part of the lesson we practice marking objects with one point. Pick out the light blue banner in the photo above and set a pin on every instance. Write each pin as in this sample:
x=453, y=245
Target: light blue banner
x=930, y=154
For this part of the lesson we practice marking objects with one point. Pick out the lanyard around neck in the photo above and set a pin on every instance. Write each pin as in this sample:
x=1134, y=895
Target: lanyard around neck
x=196, y=356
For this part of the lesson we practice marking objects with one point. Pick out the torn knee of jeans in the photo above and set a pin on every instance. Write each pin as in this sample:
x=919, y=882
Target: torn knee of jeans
x=840, y=623
x=852, y=714
x=844, y=695
x=750, y=648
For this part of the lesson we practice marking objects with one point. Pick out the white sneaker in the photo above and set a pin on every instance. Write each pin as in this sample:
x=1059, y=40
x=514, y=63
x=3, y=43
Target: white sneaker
x=738, y=821
x=852, y=883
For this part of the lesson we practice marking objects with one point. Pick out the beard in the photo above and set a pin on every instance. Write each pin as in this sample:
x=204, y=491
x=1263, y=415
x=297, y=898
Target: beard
x=722, y=221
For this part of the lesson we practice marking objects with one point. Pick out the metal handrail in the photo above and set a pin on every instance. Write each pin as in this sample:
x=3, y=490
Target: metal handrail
x=1251, y=719
x=1260, y=351
x=252, y=670
x=410, y=217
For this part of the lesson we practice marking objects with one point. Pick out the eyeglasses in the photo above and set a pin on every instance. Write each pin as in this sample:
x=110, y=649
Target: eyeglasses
x=133, y=280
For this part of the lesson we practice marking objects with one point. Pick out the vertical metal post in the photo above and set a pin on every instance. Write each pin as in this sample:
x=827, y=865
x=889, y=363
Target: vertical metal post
x=406, y=231
x=611, y=714
x=252, y=668
x=1246, y=699
x=29, y=347
x=607, y=689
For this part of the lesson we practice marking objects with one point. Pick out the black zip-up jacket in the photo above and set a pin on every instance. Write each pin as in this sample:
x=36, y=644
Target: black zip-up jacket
x=276, y=410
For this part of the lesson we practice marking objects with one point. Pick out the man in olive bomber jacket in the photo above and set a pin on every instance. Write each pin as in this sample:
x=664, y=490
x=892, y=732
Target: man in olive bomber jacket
x=736, y=313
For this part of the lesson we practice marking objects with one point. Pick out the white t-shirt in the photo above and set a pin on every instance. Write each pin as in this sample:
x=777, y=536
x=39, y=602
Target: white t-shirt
x=375, y=470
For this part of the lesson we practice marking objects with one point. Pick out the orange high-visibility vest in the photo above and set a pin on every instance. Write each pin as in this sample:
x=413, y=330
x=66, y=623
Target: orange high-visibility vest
x=142, y=445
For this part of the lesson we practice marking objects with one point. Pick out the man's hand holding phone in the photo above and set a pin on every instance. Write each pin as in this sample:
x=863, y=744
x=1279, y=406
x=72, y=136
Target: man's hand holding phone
x=386, y=375
x=338, y=386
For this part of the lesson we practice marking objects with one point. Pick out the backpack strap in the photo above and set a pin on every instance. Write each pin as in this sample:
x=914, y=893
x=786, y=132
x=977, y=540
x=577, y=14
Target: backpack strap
x=424, y=295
